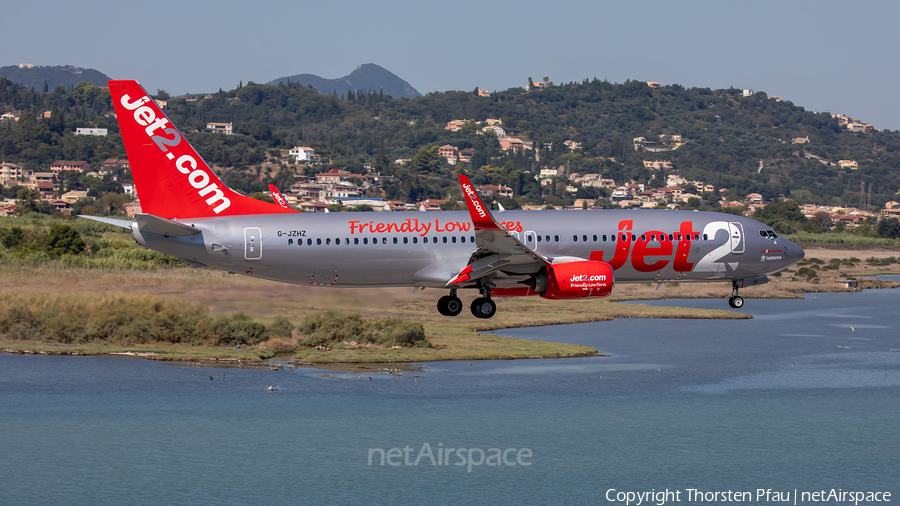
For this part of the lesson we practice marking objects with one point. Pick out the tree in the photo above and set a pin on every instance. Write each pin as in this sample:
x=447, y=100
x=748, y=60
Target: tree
x=113, y=203
x=163, y=94
x=889, y=227
x=28, y=201
x=64, y=240
x=12, y=237
x=265, y=197
x=427, y=159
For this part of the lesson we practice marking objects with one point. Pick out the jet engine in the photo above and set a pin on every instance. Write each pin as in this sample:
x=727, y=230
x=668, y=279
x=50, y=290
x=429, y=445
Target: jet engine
x=573, y=280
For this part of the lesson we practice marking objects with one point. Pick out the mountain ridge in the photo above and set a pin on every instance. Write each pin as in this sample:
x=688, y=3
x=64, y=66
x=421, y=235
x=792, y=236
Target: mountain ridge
x=34, y=76
x=366, y=77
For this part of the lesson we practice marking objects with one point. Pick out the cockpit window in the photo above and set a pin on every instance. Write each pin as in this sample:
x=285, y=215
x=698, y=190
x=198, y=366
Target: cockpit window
x=768, y=234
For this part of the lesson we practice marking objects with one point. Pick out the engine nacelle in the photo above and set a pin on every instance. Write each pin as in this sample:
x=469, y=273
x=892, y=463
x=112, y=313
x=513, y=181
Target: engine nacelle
x=574, y=280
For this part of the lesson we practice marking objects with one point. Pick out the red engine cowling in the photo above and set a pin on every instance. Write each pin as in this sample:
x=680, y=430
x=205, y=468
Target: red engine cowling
x=575, y=280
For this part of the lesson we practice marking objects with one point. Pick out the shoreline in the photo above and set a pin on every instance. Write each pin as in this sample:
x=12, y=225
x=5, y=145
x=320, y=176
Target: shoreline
x=459, y=338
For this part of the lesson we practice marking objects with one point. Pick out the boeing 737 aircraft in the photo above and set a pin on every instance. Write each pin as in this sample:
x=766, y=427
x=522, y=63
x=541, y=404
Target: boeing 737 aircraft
x=189, y=213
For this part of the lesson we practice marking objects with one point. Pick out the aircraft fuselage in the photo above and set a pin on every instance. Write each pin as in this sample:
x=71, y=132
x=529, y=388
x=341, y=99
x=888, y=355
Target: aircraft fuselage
x=426, y=249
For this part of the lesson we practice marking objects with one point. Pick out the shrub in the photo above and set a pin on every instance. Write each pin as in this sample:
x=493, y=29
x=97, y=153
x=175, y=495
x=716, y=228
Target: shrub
x=64, y=240
x=125, y=320
x=331, y=327
x=281, y=327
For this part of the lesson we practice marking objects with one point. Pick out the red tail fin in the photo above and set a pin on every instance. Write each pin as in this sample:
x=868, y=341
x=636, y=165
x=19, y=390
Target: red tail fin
x=172, y=180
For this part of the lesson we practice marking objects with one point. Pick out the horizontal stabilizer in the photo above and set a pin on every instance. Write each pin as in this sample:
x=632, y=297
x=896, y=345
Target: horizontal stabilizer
x=162, y=226
x=109, y=221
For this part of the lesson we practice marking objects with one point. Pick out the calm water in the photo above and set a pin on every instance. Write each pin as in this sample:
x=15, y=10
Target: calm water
x=804, y=396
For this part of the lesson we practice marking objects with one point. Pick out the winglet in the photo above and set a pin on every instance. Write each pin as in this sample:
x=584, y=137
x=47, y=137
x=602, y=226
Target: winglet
x=481, y=215
x=278, y=197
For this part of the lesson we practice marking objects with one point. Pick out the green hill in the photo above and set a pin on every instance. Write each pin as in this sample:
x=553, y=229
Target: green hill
x=54, y=76
x=724, y=138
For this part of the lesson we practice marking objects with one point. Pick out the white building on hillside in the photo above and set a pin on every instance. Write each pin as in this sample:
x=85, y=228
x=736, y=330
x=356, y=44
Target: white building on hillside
x=302, y=154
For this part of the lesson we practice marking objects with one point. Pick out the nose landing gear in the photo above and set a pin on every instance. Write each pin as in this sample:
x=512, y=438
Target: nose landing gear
x=735, y=301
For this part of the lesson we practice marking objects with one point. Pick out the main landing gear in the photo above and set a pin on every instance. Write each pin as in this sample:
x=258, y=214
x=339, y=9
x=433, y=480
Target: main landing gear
x=482, y=307
x=450, y=305
x=735, y=301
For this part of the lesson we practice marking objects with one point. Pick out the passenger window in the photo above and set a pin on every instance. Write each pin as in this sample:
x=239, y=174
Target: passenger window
x=309, y=242
x=670, y=237
x=687, y=237
x=547, y=237
x=633, y=238
x=697, y=237
x=347, y=241
x=290, y=242
x=395, y=240
x=356, y=240
x=415, y=240
x=445, y=239
x=705, y=238
x=575, y=238
x=384, y=240
x=328, y=241
x=462, y=239
x=365, y=240
x=585, y=238
x=643, y=238
x=434, y=239
x=471, y=238
x=318, y=242
x=453, y=239
x=595, y=238
x=652, y=237
x=528, y=238
x=406, y=240
x=539, y=238
x=337, y=241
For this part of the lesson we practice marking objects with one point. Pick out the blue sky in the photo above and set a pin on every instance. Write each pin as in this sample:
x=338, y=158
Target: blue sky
x=833, y=56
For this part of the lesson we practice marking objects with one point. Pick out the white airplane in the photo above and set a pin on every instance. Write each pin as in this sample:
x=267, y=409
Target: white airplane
x=190, y=214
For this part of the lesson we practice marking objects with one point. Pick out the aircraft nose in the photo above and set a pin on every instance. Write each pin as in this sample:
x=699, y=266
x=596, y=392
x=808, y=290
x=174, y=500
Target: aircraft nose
x=793, y=252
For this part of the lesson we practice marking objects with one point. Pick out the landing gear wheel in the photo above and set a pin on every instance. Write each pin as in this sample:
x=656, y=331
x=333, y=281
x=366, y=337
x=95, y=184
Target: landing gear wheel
x=736, y=302
x=483, y=308
x=449, y=305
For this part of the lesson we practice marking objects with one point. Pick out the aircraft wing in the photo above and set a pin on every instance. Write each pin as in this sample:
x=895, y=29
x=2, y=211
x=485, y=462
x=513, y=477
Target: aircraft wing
x=149, y=223
x=110, y=221
x=499, y=252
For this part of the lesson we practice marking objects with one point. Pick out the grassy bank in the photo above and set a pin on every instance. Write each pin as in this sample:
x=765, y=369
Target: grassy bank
x=219, y=295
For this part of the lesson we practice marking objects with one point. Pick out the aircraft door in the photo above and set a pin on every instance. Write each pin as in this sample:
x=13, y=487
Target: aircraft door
x=531, y=241
x=252, y=244
x=737, y=237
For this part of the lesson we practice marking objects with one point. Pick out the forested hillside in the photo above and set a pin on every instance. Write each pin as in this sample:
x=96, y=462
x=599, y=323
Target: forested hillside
x=36, y=77
x=725, y=137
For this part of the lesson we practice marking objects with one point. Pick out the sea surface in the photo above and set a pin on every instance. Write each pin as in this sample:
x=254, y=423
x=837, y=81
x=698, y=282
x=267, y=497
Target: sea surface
x=803, y=397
